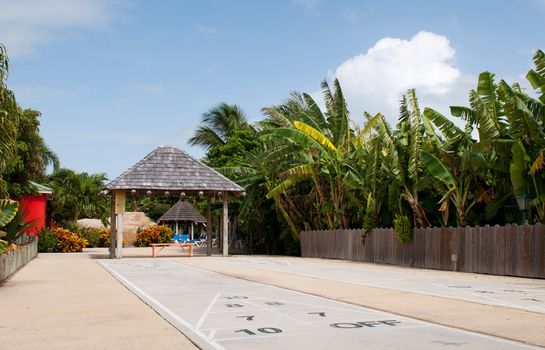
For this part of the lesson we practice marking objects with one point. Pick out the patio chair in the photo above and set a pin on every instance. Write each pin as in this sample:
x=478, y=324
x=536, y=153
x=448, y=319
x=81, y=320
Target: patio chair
x=184, y=238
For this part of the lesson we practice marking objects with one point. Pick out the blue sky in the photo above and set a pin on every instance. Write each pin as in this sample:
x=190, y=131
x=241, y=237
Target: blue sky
x=114, y=79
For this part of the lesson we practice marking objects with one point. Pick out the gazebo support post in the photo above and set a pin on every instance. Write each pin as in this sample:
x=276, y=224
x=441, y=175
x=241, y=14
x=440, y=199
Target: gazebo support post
x=119, y=251
x=208, y=226
x=176, y=227
x=111, y=254
x=225, y=225
x=119, y=196
x=220, y=232
x=191, y=230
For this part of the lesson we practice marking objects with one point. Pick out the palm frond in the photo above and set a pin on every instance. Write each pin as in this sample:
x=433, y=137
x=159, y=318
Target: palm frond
x=449, y=130
x=315, y=134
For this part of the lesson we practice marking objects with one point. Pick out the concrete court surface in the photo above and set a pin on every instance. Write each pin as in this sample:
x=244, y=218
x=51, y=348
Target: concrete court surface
x=68, y=301
x=525, y=294
x=222, y=312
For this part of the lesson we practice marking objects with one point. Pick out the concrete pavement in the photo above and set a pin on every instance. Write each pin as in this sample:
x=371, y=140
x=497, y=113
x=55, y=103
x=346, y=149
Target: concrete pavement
x=62, y=301
x=68, y=301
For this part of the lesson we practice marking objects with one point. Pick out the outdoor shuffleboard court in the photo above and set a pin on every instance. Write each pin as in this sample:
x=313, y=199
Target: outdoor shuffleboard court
x=524, y=294
x=220, y=312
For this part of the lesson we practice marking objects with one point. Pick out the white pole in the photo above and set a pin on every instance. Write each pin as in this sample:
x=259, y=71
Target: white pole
x=119, y=253
x=192, y=230
x=176, y=227
x=225, y=225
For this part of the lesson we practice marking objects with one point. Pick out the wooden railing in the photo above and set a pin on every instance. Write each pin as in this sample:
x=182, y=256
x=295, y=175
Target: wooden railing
x=510, y=250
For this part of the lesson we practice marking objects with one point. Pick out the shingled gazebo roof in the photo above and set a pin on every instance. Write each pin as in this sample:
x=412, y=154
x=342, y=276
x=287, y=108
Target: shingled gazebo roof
x=182, y=211
x=169, y=168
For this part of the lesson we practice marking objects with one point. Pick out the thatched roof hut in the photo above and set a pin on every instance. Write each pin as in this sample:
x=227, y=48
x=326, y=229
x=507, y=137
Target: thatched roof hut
x=182, y=211
x=169, y=171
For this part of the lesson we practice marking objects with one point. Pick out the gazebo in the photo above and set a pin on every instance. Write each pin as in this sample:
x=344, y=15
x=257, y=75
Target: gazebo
x=169, y=171
x=183, y=211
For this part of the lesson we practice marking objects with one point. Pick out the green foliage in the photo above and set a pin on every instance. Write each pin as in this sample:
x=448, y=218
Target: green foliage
x=370, y=218
x=402, y=228
x=155, y=234
x=312, y=168
x=217, y=124
x=153, y=207
x=47, y=242
x=90, y=234
x=77, y=196
x=8, y=210
x=239, y=144
x=24, y=155
x=18, y=226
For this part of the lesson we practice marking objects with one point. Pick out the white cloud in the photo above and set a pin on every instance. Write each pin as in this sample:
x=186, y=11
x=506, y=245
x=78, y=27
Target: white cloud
x=26, y=24
x=374, y=81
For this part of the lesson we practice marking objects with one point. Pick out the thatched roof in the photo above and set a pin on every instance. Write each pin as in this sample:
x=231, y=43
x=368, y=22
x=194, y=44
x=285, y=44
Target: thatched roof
x=169, y=168
x=182, y=211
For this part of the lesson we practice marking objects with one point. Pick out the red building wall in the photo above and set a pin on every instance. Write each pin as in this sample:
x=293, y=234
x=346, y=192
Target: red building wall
x=35, y=207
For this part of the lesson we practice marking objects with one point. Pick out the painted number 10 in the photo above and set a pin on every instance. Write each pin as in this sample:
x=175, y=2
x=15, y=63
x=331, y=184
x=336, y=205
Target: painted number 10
x=266, y=330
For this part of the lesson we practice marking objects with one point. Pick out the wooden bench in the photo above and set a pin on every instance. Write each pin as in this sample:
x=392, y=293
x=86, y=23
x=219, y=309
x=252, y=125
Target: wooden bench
x=188, y=247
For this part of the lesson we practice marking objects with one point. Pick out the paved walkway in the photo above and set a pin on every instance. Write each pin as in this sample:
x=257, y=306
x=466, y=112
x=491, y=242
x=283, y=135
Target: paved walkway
x=68, y=301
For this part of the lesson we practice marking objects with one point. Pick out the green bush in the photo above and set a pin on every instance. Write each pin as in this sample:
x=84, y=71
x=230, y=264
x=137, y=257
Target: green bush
x=155, y=234
x=47, y=242
x=402, y=228
x=91, y=235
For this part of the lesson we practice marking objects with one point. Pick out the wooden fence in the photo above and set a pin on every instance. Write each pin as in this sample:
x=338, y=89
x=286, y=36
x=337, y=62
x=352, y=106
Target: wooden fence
x=510, y=250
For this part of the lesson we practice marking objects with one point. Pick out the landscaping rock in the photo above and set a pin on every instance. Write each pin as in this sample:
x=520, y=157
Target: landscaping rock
x=90, y=223
x=132, y=221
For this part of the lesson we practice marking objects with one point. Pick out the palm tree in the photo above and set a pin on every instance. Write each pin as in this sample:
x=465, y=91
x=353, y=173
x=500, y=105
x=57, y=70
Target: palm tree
x=217, y=124
x=76, y=195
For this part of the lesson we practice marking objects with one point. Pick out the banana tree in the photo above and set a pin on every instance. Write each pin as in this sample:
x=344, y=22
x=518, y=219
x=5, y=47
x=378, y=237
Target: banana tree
x=325, y=144
x=401, y=152
x=457, y=180
x=485, y=111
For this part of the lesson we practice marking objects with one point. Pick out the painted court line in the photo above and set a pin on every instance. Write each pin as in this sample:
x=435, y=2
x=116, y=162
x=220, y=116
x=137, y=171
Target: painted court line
x=161, y=307
x=207, y=311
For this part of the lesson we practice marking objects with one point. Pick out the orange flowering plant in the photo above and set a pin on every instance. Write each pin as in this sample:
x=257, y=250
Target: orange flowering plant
x=155, y=234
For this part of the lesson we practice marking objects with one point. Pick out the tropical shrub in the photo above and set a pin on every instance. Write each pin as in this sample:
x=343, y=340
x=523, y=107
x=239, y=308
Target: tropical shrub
x=90, y=234
x=47, y=242
x=103, y=238
x=60, y=240
x=402, y=228
x=155, y=234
